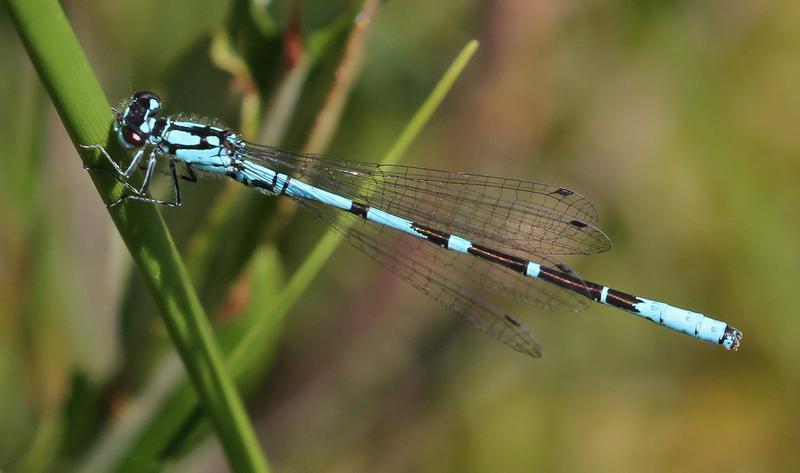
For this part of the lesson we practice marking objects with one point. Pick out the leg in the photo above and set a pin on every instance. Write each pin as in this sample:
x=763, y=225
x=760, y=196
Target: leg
x=127, y=172
x=140, y=194
x=191, y=176
x=117, y=177
x=148, y=174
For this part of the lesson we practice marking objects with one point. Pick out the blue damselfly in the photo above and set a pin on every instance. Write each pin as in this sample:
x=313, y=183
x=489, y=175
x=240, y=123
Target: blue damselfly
x=432, y=228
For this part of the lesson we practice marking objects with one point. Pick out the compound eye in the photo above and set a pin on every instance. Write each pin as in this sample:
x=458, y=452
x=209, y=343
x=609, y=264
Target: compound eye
x=132, y=138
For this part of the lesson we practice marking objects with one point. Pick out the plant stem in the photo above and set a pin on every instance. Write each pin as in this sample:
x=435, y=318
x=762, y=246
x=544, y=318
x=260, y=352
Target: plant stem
x=84, y=110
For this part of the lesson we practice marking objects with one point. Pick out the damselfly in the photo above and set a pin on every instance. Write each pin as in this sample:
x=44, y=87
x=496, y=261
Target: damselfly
x=431, y=228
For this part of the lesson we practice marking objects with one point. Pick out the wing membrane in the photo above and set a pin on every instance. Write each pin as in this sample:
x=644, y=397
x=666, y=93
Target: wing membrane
x=410, y=259
x=528, y=218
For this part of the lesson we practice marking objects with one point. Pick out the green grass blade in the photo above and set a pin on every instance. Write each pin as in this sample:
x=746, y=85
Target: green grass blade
x=177, y=411
x=425, y=112
x=217, y=253
x=240, y=358
x=84, y=110
x=247, y=353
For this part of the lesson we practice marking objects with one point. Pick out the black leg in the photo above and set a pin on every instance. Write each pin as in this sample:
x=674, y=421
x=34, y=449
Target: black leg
x=191, y=176
x=140, y=194
x=117, y=177
x=148, y=174
x=124, y=173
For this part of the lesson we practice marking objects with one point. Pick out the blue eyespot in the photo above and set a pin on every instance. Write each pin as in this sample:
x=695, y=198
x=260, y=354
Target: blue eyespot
x=147, y=100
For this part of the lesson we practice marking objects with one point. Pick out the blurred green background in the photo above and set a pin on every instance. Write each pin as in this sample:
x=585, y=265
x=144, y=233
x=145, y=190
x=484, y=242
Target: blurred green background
x=677, y=119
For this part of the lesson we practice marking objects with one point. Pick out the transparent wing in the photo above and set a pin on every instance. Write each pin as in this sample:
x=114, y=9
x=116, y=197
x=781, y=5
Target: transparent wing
x=489, y=276
x=530, y=218
x=411, y=259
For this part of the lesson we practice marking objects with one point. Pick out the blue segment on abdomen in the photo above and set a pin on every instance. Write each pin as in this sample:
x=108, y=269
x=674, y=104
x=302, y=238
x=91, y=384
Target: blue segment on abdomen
x=393, y=221
x=604, y=294
x=686, y=321
x=256, y=176
x=302, y=190
x=456, y=243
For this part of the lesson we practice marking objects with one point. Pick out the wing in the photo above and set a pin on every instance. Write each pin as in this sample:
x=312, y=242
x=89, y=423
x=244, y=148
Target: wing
x=410, y=259
x=527, y=218
x=490, y=276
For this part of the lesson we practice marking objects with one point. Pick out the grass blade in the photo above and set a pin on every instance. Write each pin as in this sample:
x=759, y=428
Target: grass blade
x=84, y=110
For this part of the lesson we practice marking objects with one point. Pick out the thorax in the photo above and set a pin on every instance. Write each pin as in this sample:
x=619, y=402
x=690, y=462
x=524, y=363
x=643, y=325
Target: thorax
x=205, y=147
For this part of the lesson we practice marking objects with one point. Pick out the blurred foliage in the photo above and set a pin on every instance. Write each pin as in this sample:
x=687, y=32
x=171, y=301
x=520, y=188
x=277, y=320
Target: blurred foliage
x=676, y=118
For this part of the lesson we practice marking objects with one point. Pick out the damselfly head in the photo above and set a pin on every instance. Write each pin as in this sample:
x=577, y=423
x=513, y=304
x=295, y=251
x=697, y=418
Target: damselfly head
x=134, y=124
x=146, y=100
